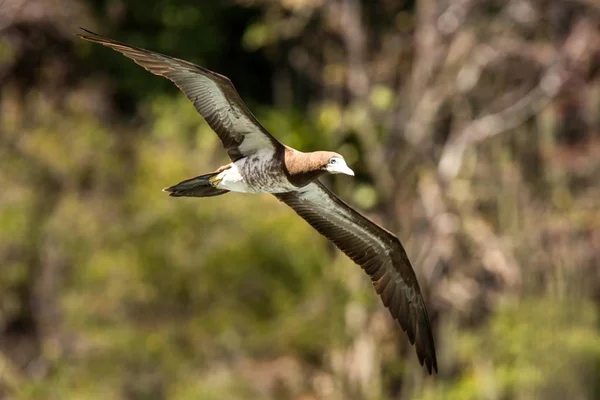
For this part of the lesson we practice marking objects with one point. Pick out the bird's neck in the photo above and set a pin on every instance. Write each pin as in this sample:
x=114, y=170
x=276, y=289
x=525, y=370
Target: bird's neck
x=302, y=168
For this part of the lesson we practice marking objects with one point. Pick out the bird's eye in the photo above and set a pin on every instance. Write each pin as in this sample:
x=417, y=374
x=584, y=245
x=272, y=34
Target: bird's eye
x=333, y=161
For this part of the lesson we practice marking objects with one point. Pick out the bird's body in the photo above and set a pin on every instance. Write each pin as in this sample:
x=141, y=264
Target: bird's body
x=261, y=164
x=259, y=173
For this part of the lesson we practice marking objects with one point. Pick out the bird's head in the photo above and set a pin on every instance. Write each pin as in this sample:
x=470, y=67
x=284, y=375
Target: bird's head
x=334, y=163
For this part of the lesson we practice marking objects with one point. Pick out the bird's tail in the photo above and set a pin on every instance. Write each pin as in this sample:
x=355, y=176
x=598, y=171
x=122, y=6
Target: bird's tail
x=200, y=186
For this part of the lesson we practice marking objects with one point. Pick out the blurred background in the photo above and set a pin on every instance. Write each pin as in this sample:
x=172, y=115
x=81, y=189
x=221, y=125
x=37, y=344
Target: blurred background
x=474, y=129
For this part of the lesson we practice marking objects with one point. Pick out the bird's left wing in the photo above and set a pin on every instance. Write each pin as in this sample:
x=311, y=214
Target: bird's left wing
x=213, y=95
x=378, y=252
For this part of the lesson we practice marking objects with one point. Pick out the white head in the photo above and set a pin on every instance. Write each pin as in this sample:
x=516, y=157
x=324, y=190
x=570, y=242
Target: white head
x=337, y=165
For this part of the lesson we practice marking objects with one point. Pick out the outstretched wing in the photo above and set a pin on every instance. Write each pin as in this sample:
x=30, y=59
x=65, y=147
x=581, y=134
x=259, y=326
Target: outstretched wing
x=378, y=252
x=213, y=95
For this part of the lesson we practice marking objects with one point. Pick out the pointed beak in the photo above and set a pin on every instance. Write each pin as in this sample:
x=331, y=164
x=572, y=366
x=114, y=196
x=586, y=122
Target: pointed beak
x=346, y=170
x=340, y=168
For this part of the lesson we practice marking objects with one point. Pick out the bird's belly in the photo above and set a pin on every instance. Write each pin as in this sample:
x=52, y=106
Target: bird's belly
x=253, y=175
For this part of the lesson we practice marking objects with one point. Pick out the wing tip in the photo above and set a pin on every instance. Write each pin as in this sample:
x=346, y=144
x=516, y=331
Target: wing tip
x=424, y=343
x=414, y=321
x=90, y=35
x=429, y=362
x=425, y=348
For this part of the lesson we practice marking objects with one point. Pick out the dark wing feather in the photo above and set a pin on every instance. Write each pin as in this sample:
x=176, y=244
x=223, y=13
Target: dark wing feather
x=378, y=252
x=213, y=95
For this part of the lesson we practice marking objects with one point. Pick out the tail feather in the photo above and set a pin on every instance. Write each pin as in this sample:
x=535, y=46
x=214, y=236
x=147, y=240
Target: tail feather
x=199, y=186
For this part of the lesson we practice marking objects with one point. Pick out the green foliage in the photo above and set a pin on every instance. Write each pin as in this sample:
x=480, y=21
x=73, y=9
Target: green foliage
x=535, y=348
x=109, y=288
x=160, y=289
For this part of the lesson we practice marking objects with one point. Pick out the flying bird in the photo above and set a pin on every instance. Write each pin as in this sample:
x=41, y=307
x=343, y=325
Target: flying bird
x=262, y=164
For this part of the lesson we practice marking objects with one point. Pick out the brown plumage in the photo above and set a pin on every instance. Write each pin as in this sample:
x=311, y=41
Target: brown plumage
x=260, y=163
x=303, y=168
